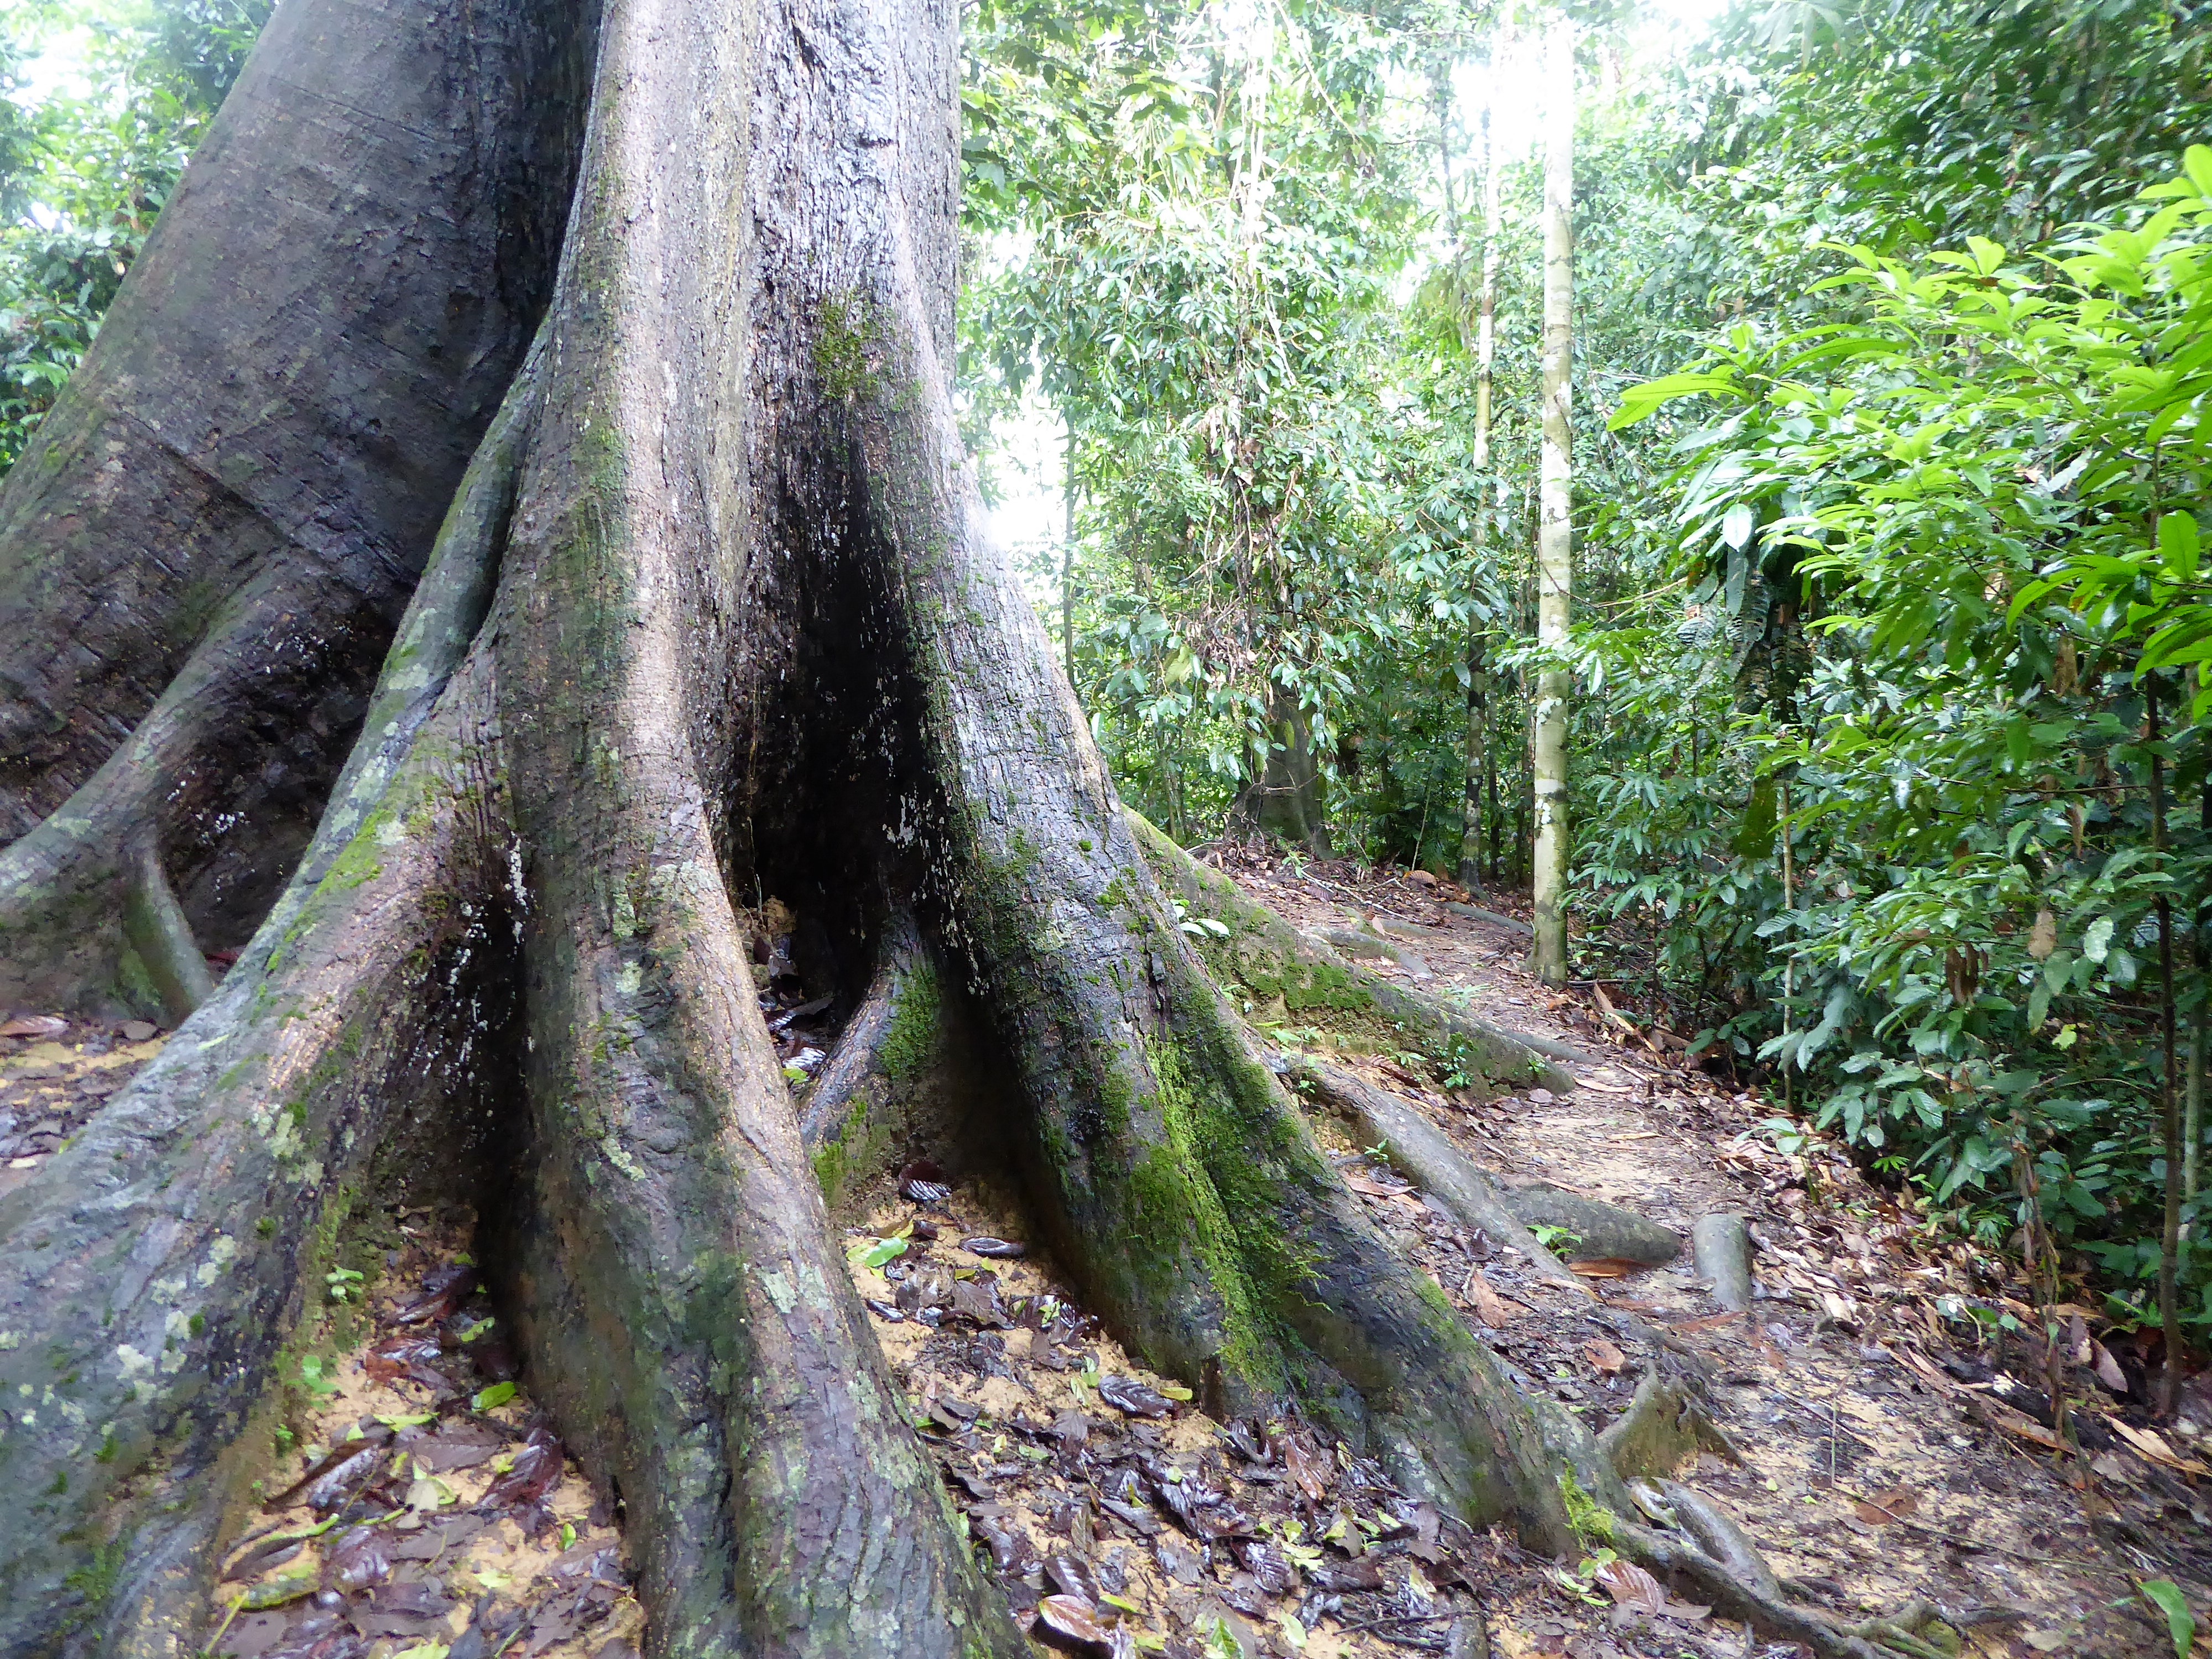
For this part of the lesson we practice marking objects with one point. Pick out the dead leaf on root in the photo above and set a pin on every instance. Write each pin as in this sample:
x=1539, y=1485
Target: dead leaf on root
x=2108, y=1369
x=1371, y=1188
x=1637, y=1591
x=1490, y=1307
x=2153, y=1445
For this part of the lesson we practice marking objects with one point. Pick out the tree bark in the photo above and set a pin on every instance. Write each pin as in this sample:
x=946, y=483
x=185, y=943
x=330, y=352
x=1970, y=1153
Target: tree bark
x=214, y=531
x=1479, y=758
x=711, y=612
x=1285, y=799
x=1547, y=742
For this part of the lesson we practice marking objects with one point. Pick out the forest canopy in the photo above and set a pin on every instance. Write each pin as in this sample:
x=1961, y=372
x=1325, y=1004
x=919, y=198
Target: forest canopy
x=1889, y=368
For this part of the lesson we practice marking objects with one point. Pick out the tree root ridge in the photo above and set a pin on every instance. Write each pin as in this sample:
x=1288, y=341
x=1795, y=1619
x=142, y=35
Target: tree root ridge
x=1698, y=1574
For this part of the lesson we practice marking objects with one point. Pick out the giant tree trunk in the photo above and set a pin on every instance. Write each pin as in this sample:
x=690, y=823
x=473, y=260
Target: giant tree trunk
x=710, y=613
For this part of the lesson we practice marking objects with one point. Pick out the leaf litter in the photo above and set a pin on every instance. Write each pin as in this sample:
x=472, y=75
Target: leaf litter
x=429, y=1510
x=1118, y=1519
x=55, y=1073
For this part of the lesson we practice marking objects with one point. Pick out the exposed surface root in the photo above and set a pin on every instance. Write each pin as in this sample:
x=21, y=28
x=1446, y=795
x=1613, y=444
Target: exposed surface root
x=1732, y=1592
x=1414, y=1145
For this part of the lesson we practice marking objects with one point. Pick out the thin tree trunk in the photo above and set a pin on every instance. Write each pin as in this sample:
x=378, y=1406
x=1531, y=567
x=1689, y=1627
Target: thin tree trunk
x=2169, y=1311
x=2200, y=1027
x=1068, y=560
x=1479, y=759
x=1548, y=745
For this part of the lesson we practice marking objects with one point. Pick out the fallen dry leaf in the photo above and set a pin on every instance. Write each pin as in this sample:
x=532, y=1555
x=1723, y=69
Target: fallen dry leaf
x=1879, y=1509
x=2108, y=1369
x=1604, y=1356
x=35, y=1025
x=1372, y=1188
x=1630, y=1586
x=1307, y=1466
x=1707, y=1323
x=1638, y=1591
x=1490, y=1307
x=2019, y=1425
x=2152, y=1444
x=1607, y=1266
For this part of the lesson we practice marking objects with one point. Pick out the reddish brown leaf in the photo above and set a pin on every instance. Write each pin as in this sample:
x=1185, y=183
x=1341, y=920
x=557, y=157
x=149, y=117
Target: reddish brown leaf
x=1607, y=1266
x=534, y=1470
x=1490, y=1307
x=1630, y=1586
x=1307, y=1466
x=1606, y=1358
x=1072, y=1624
x=1880, y=1509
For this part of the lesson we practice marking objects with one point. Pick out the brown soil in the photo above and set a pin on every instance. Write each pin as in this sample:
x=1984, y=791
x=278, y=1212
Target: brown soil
x=1887, y=1456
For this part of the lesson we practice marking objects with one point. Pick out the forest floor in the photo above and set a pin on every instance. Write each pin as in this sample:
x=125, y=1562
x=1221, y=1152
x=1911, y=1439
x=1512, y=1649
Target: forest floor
x=1885, y=1451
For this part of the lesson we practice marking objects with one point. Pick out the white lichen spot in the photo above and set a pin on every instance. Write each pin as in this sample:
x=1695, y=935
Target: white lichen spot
x=780, y=1292
x=390, y=832
x=134, y=1364
x=10, y=1340
x=630, y=979
x=220, y=1255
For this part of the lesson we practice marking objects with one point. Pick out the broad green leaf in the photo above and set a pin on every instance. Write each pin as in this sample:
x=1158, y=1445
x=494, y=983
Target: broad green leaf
x=2177, y=543
x=2180, y=1623
x=2098, y=940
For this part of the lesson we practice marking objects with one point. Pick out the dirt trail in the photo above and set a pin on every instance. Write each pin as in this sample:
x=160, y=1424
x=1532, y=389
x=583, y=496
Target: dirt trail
x=1882, y=1461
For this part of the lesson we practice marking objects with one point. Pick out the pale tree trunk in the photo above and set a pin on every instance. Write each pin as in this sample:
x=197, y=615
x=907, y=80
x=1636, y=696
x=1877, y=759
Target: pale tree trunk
x=1547, y=740
x=1479, y=758
x=710, y=612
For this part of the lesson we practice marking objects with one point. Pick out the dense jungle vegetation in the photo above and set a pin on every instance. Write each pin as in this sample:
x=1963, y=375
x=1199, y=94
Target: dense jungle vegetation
x=1889, y=773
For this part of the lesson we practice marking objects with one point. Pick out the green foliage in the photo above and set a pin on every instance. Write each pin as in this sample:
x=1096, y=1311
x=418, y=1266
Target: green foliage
x=85, y=169
x=1981, y=479
x=2181, y=1624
